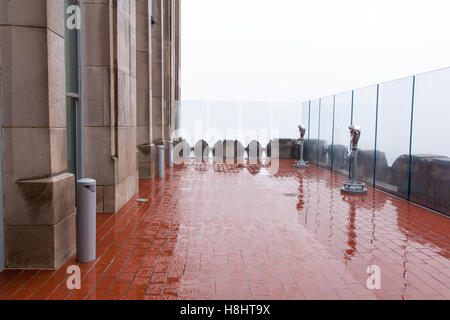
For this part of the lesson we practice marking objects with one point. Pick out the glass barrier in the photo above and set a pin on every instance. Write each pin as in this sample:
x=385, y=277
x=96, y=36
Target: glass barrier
x=410, y=162
x=342, y=120
x=223, y=120
x=393, y=136
x=313, y=144
x=285, y=120
x=384, y=114
x=304, y=119
x=430, y=167
x=193, y=121
x=304, y=114
x=326, y=132
x=256, y=123
x=365, y=115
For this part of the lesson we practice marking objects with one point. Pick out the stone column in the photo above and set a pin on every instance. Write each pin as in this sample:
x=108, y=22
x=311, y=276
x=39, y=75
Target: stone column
x=157, y=75
x=39, y=194
x=147, y=150
x=168, y=65
x=109, y=28
x=176, y=67
x=171, y=46
x=177, y=49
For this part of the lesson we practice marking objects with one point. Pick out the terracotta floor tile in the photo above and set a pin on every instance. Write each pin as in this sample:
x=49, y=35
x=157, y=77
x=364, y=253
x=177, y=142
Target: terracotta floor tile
x=140, y=283
x=125, y=278
x=98, y=294
x=10, y=289
x=60, y=294
x=23, y=294
x=115, y=297
x=119, y=289
x=149, y=297
x=155, y=289
x=239, y=231
x=158, y=278
x=135, y=294
x=105, y=283
x=258, y=290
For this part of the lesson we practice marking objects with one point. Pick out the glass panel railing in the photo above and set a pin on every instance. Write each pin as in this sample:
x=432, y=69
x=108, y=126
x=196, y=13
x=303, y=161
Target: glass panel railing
x=364, y=115
x=313, y=144
x=326, y=132
x=193, y=121
x=304, y=114
x=304, y=120
x=393, y=136
x=285, y=120
x=223, y=121
x=430, y=167
x=248, y=127
x=255, y=123
x=386, y=158
x=342, y=120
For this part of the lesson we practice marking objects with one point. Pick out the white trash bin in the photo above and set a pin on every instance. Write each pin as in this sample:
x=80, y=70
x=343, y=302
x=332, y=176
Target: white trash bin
x=86, y=220
x=161, y=162
x=170, y=151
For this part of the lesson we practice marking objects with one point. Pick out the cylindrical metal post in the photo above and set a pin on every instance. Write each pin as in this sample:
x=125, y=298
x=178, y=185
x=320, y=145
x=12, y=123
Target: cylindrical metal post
x=170, y=152
x=301, y=164
x=161, y=162
x=354, y=179
x=302, y=146
x=86, y=220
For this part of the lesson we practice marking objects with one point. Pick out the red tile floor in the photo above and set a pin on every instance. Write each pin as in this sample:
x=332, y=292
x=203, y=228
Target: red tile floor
x=239, y=232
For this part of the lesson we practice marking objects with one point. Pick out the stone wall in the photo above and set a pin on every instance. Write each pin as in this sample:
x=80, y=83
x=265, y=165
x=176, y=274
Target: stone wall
x=110, y=98
x=39, y=195
x=177, y=49
x=147, y=151
x=157, y=75
x=130, y=89
x=128, y=71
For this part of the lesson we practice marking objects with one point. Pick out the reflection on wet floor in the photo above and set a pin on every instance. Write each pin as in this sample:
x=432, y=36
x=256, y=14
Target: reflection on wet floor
x=379, y=229
x=230, y=231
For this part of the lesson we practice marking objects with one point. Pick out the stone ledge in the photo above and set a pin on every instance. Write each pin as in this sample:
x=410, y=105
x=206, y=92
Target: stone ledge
x=48, y=200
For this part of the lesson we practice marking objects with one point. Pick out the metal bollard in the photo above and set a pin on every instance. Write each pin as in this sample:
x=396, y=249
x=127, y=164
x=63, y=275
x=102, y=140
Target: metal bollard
x=86, y=220
x=170, y=151
x=161, y=162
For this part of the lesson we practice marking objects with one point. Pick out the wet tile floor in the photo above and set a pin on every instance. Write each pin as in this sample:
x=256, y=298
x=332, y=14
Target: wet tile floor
x=224, y=231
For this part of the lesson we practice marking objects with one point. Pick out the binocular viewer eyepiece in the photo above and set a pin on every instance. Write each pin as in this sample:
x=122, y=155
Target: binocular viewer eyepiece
x=355, y=134
x=302, y=130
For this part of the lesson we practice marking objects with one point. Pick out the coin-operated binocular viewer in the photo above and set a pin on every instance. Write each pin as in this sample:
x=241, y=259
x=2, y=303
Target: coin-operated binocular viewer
x=353, y=186
x=301, y=164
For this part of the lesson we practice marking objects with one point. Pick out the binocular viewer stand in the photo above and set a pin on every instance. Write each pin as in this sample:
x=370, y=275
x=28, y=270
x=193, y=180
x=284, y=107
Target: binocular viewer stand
x=353, y=186
x=301, y=164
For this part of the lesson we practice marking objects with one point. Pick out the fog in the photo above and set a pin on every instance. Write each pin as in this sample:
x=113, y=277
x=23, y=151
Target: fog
x=294, y=50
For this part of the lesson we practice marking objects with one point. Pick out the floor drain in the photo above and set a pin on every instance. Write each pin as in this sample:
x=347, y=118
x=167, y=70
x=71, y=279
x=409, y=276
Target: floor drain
x=291, y=195
x=142, y=200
